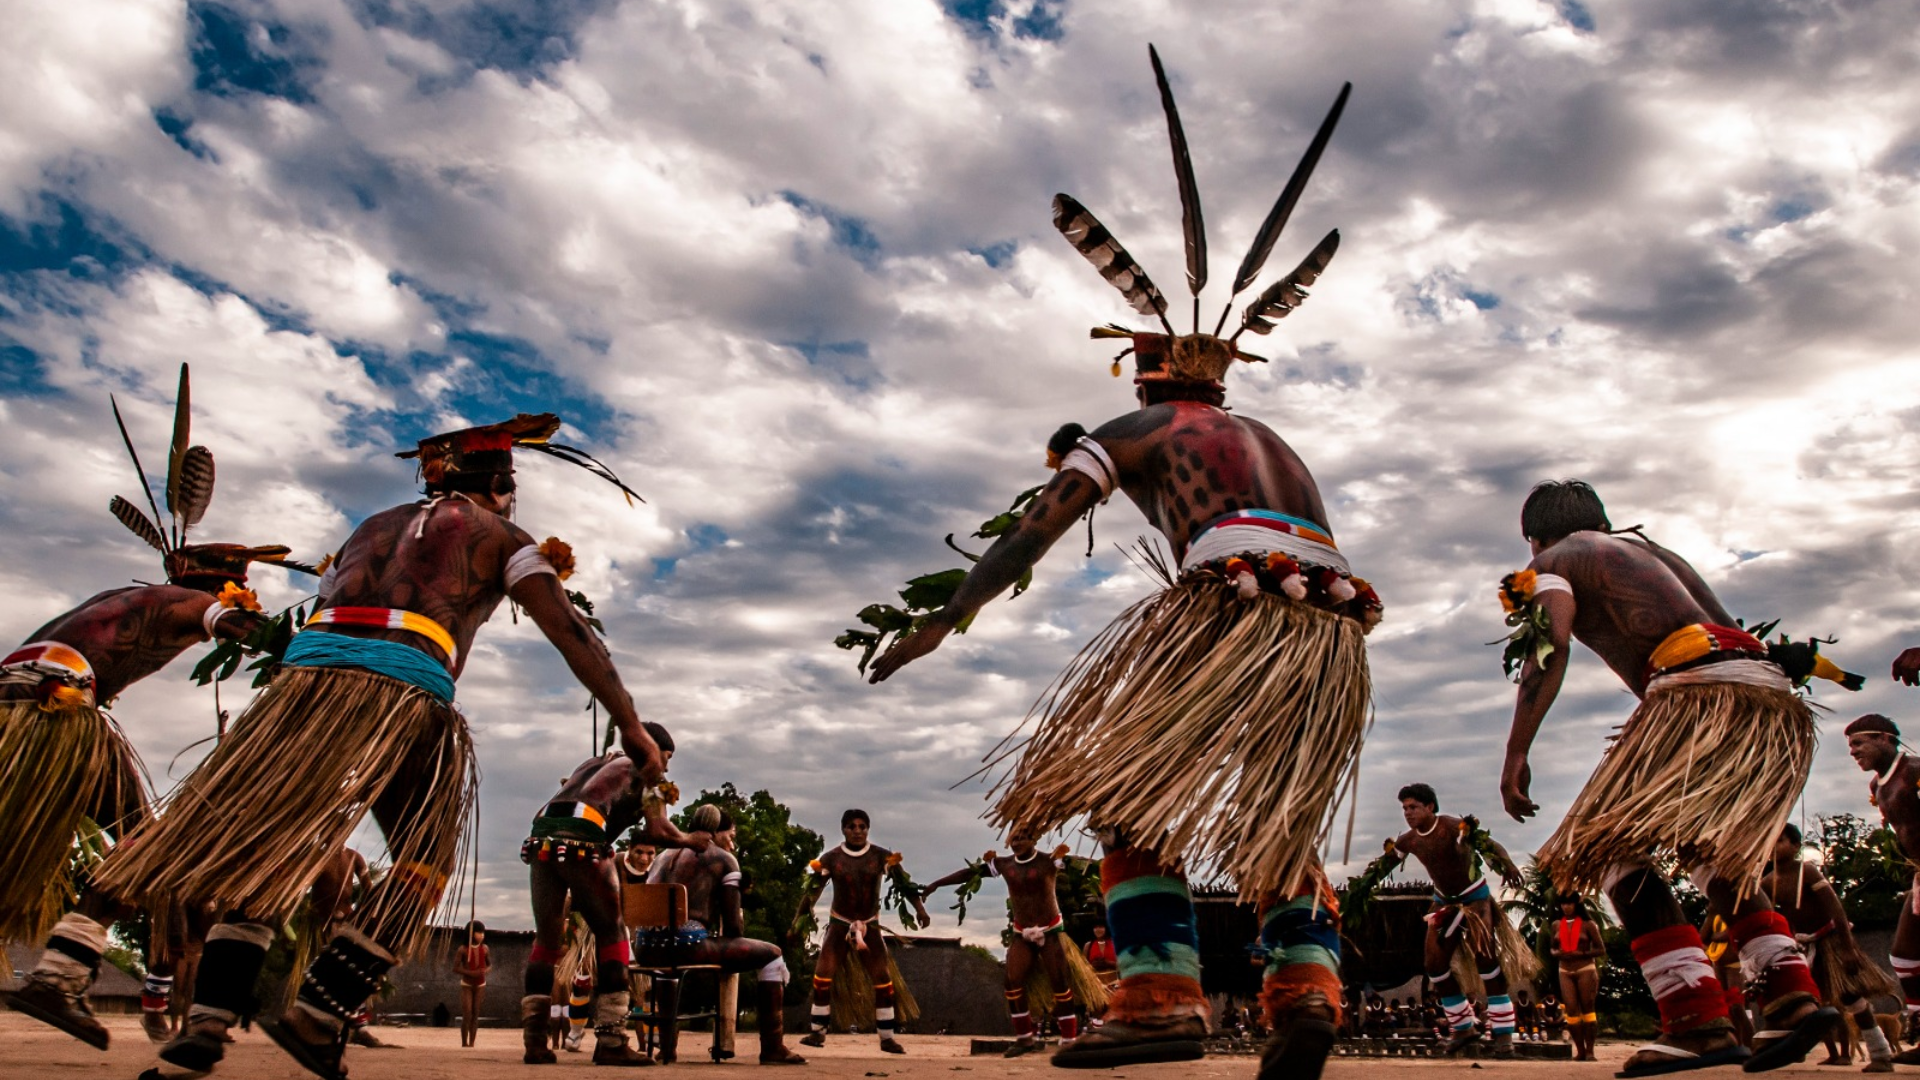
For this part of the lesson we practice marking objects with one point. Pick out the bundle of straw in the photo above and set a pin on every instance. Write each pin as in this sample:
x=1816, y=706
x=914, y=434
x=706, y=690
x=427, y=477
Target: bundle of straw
x=853, y=992
x=1706, y=771
x=1211, y=728
x=1085, y=983
x=59, y=771
x=259, y=819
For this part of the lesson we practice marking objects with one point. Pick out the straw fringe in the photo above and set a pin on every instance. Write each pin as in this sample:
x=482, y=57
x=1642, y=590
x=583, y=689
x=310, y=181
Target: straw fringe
x=1843, y=972
x=853, y=994
x=1088, y=991
x=254, y=825
x=58, y=770
x=1217, y=729
x=1709, y=772
x=1495, y=938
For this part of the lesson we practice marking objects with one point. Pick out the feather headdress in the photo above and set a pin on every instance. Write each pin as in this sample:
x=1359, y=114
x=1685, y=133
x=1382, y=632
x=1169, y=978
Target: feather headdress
x=487, y=451
x=1199, y=357
x=189, y=491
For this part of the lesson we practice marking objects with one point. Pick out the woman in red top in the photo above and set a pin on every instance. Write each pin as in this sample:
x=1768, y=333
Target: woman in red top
x=1576, y=942
x=471, y=963
x=1101, y=955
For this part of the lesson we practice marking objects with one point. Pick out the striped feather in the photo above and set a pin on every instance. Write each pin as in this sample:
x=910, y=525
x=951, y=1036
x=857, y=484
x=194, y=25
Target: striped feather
x=138, y=523
x=196, y=485
x=1091, y=239
x=1279, y=299
x=1283, y=207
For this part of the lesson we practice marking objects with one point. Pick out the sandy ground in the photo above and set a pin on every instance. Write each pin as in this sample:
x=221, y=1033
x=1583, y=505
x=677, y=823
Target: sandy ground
x=30, y=1051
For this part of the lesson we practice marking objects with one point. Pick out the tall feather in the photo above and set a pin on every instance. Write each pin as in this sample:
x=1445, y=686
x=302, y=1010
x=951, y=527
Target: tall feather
x=138, y=523
x=145, y=488
x=1191, y=224
x=1090, y=238
x=177, y=450
x=577, y=456
x=1278, y=300
x=196, y=486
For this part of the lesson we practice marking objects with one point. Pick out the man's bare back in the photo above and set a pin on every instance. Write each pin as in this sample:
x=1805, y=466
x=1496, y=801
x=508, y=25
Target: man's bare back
x=701, y=872
x=128, y=634
x=447, y=560
x=1184, y=464
x=1629, y=594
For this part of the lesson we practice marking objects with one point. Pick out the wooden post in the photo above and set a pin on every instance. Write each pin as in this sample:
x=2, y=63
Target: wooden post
x=729, y=1019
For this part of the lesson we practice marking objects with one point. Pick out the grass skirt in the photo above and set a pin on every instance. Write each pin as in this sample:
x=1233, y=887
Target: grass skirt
x=1088, y=991
x=1494, y=939
x=1844, y=973
x=1708, y=772
x=1217, y=729
x=60, y=772
x=852, y=998
x=253, y=826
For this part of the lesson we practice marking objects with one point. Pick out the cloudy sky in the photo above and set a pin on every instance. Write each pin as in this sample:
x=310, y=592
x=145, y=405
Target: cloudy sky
x=787, y=265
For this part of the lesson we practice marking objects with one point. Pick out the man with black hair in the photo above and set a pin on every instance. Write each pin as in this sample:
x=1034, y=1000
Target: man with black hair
x=570, y=863
x=856, y=869
x=1707, y=768
x=1811, y=906
x=360, y=720
x=1873, y=741
x=1455, y=852
x=714, y=886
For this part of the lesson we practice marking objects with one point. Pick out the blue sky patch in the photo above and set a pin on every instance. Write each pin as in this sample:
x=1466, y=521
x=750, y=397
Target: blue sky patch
x=523, y=39
x=997, y=255
x=1485, y=301
x=1042, y=22
x=849, y=232
x=65, y=239
x=177, y=128
x=1577, y=15
x=234, y=55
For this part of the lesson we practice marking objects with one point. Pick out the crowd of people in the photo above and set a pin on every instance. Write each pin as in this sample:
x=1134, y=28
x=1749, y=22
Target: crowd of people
x=1215, y=723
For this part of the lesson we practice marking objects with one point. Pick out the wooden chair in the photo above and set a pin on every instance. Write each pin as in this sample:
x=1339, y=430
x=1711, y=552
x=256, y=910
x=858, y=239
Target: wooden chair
x=650, y=909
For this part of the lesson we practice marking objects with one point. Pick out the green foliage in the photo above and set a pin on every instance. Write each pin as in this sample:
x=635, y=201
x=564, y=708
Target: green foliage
x=969, y=887
x=773, y=853
x=901, y=896
x=927, y=595
x=579, y=600
x=1531, y=638
x=1356, y=898
x=1864, y=863
x=1076, y=888
x=268, y=643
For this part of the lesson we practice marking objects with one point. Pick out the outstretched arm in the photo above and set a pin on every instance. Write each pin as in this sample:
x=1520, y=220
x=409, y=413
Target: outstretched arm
x=1539, y=686
x=1061, y=503
x=808, y=897
x=546, y=602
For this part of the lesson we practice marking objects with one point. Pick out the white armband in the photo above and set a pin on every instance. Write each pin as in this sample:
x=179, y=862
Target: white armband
x=732, y=879
x=1546, y=583
x=993, y=868
x=212, y=615
x=1090, y=458
x=329, y=579
x=527, y=562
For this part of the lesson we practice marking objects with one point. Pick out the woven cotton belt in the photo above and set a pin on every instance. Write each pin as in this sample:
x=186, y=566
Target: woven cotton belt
x=1705, y=653
x=39, y=660
x=390, y=619
x=1266, y=531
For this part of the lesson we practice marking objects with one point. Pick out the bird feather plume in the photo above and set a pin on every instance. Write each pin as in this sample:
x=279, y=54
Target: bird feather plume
x=196, y=485
x=145, y=488
x=1091, y=239
x=1278, y=300
x=177, y=450
x=138, y=523
x=1192, y=225
x=586, y=461
x=1289, y=197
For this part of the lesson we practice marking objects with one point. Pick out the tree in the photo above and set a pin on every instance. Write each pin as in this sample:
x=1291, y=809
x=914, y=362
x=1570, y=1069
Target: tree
x=773, y=854
x=1865, y=866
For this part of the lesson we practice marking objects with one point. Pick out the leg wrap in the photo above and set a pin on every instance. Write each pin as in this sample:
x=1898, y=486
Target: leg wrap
x=539, y=977
x=1459, y=1011
x=883, y=1008
x=1500, y=1014
x=1678, y=972
x=1301, y=937
x=156, y=993
x=1150, y=916
x=822, y=1009
x=775, y=972
x=235, y=953
x=1767, y=949
x=1908, y=972
x=343, y=978
x=610, y=1013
